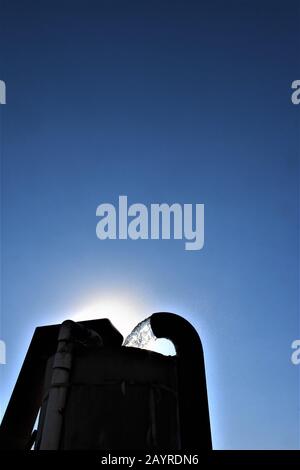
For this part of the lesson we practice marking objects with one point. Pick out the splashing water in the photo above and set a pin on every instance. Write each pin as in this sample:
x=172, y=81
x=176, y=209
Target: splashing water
x=141, y=335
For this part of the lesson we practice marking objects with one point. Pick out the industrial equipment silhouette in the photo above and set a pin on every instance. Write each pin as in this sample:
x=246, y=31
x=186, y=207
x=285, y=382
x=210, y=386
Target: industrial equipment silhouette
x=95, y=393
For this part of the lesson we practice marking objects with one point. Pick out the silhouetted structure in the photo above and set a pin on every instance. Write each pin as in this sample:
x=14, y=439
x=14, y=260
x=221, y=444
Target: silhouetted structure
x=93, y=393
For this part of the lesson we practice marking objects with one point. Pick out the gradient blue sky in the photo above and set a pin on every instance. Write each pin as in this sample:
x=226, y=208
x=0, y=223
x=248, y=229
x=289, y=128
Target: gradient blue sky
x=164, y=101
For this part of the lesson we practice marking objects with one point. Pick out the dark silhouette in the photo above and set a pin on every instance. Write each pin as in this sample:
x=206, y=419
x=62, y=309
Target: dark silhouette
x=95, y=394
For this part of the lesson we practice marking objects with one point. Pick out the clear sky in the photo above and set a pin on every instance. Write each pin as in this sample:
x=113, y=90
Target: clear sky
x=163, y=101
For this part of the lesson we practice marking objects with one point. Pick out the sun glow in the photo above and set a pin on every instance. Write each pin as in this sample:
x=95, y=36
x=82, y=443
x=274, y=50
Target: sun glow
x=122, y=311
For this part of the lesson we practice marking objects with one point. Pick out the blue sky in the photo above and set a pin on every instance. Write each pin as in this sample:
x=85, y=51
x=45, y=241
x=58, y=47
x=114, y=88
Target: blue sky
x=180, y=101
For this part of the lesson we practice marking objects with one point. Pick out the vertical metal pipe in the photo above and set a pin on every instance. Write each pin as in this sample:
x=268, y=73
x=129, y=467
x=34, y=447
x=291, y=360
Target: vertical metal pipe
x=52, y=425
x=193, y=402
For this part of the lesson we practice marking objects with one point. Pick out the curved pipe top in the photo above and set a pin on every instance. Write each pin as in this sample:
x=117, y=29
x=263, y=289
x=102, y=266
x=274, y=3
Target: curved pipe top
x=193, y=402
